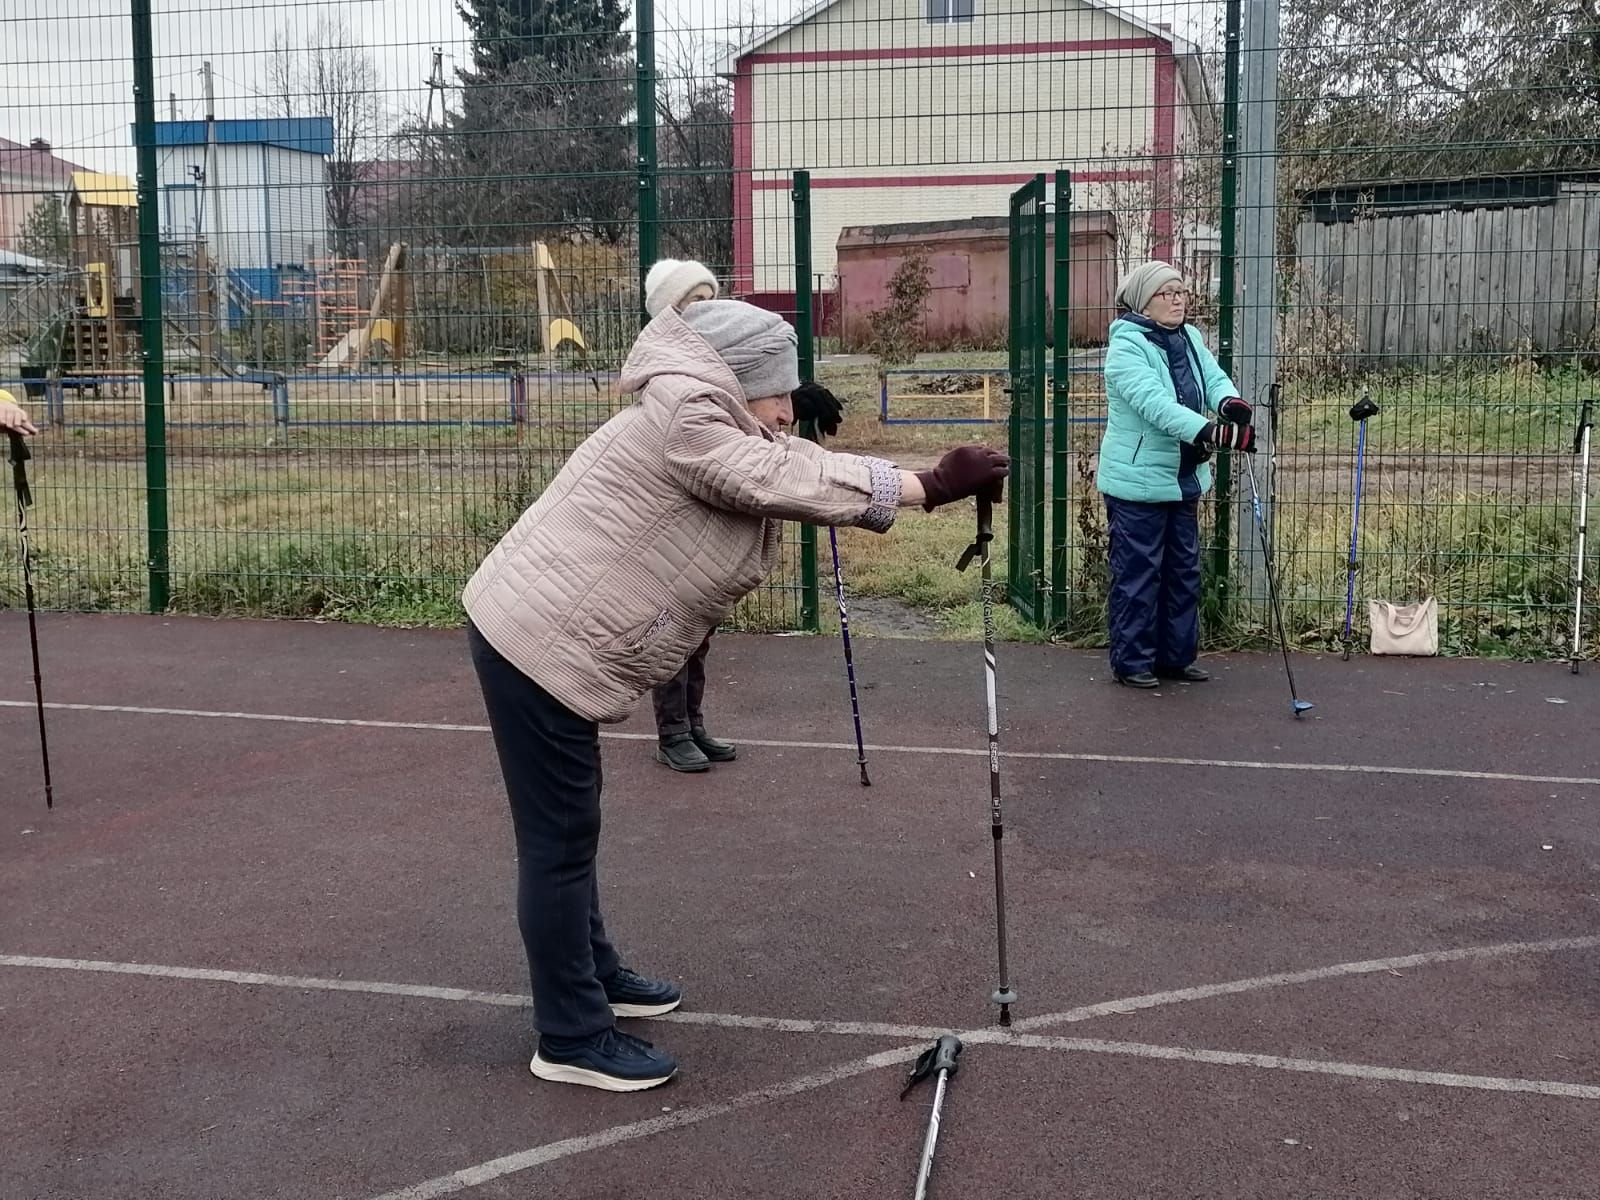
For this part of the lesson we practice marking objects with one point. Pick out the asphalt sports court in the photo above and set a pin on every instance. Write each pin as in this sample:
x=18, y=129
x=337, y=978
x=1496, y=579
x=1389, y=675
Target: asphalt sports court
x=265, y=944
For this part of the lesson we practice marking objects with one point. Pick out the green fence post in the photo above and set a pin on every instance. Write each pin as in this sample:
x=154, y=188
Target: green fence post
x=1061, y=423
x=150, y=309
x=810, y=618
x=644, y=42
x=1016, y=323
x=1220, y=554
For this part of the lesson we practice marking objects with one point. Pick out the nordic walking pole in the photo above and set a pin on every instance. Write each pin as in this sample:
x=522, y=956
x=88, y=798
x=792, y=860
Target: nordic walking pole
x=942, y=1059
x=1580, y=445
x=1300, y=706
x=19, y=479
x=1003, y=995
x=849, y=659
x=1360, y=412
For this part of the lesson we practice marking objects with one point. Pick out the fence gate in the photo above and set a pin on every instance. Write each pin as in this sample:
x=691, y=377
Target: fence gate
x=1027, y=588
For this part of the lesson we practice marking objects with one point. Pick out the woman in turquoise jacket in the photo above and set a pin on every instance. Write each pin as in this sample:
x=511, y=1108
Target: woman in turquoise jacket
x=1161, y=383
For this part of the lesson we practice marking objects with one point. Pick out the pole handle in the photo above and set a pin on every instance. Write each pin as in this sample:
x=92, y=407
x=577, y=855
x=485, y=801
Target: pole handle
x=1585, y=421
x=944, y=1055
x=19, y=455
x=984, y=536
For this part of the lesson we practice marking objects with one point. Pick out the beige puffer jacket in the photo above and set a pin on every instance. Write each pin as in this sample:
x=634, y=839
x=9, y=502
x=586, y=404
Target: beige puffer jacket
x=659, y=522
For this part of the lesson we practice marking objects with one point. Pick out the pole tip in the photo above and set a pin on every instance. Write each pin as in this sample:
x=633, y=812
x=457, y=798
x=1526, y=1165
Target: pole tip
x=1302, y=706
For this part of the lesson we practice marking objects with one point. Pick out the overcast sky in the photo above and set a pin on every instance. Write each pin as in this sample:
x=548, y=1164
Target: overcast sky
x=65, y=72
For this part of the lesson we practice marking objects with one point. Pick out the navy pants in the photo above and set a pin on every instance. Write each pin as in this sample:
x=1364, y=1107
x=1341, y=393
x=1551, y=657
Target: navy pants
x=550, y=758
x=1155, y=585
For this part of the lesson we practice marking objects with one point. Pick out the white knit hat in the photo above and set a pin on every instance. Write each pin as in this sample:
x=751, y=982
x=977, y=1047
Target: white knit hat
x=670, y=281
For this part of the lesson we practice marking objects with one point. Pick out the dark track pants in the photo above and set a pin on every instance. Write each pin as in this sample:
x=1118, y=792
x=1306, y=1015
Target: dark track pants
x=550, y=758
x=678, y=700
x=1155, y=585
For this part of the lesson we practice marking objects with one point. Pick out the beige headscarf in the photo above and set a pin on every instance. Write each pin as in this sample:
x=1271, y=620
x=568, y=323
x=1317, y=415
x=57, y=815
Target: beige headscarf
x=1142, y=283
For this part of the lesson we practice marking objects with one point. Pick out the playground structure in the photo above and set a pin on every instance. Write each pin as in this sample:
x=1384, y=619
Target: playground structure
x=331, y=322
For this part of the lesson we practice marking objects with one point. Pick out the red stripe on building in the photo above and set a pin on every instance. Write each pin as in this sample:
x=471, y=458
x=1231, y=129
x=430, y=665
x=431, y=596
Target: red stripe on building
x=1166, y=138
x=744, y=207
x=990, y=50
x=942, y=181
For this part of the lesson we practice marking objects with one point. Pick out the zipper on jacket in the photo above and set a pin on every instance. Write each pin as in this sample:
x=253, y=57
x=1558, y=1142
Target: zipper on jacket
x=1138, y=446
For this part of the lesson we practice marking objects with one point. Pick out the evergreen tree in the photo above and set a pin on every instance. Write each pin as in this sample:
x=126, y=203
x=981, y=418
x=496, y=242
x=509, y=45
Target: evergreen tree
x=44, y=233
x=559, y=33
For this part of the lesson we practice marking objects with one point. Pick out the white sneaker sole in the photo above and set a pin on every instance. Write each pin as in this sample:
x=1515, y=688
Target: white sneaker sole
x=644, y=1010
x=584, y=1077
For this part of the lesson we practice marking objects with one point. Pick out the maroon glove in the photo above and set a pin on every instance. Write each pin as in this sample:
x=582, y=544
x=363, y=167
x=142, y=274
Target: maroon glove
x=1236, y=411
x=962, y=472
x=1228, y=437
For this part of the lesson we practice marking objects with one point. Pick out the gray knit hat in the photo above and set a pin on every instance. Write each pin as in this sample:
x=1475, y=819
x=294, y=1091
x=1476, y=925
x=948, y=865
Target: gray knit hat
x=1142, y=283
x=759, y=347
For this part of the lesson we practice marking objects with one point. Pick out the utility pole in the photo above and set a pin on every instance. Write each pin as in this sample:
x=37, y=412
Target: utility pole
x=1257, y=360
x=172, y=107
x=435, y=87
x=213, y=184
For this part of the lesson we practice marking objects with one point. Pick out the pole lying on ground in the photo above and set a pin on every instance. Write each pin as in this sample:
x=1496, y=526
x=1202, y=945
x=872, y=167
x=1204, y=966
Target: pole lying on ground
x=849, y=658
x=1580, y=446
x=1300, y=706
x=942, y=1059
x=1003, y=995
x=19, y=478
x=1360, y=412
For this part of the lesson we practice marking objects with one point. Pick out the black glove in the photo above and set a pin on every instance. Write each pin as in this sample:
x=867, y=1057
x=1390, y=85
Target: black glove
x=813, y=402
x=1236, y=411
x=962, y=472
x=1228, y=437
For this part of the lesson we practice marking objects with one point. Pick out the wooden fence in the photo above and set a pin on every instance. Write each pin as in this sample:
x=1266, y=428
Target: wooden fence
x=1415, y=288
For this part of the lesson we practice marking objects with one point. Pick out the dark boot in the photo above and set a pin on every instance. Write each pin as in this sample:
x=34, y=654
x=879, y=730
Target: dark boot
x=1189, y=674
x=680, y=752
x=1142, y=680
x=715, y=749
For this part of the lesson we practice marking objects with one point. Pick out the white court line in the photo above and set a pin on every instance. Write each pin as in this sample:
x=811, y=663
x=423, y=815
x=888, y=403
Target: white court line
x=422, y=991
x=947, y=751
x=1369, y=966
x=495, y=1168
x=1273, y=1062
x=468, y=1177
x=457, y=1181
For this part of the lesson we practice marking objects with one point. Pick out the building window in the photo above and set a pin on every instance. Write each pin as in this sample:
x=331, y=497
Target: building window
x=945, y=12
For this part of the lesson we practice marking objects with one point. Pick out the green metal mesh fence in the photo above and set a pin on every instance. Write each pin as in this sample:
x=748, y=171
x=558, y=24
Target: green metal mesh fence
x=397, y=253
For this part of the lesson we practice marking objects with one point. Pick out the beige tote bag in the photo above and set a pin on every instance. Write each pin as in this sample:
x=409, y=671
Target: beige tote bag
x=1404, y=628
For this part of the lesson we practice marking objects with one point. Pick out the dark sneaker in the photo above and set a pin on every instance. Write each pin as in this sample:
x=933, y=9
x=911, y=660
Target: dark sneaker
x=714, y=749
x=1143, y=680
x=1189, y=674
x=632, y=995
x=610, y=1060
x=681, y=754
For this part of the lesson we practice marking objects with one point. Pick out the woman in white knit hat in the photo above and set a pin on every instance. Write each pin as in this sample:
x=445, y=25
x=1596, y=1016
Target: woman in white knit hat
x=682, y=742
x=654, y=529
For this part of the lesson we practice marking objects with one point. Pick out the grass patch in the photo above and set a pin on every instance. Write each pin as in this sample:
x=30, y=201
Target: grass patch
x=1469, y=499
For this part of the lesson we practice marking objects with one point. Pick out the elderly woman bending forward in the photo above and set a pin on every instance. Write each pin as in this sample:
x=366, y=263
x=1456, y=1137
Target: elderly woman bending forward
x=657, y=525
x=1169, y=408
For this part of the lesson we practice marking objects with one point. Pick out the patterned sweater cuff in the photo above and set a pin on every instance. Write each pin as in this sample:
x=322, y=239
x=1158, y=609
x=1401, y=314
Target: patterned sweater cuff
x=885, y=505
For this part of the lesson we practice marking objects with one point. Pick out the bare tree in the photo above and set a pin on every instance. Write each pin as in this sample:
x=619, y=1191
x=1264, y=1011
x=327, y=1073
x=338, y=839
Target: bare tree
x=329, y=72
x=1379, y=88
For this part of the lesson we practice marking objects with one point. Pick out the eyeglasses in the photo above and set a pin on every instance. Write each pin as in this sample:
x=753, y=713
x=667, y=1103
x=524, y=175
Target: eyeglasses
x=1175, y=294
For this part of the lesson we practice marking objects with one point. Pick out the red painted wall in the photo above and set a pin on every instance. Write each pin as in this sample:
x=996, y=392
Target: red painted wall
x=969, y=264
